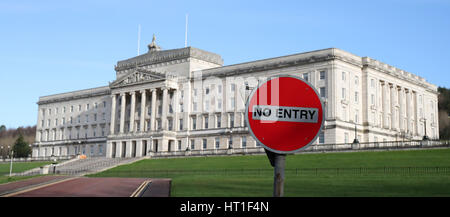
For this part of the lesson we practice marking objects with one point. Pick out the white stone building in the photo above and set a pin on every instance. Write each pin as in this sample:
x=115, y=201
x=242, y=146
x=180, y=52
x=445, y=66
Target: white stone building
x=171, y=100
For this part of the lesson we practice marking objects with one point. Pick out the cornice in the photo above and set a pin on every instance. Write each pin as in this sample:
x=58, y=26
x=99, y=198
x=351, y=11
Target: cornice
x=74, y=95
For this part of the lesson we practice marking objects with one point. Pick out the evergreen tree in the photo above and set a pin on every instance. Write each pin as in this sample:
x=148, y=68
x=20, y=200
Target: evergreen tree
x=2, y=128
x=21, y=148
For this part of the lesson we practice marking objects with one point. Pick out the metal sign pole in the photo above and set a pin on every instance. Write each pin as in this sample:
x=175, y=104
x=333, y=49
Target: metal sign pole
x=278, y=179
x=278, y=162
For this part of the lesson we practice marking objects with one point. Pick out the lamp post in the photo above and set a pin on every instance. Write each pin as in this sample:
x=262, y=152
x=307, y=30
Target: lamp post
x=10, y=165
x=53, y=158
x=425, y=137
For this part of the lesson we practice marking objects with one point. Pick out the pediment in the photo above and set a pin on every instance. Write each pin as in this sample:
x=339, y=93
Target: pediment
x=137, y=76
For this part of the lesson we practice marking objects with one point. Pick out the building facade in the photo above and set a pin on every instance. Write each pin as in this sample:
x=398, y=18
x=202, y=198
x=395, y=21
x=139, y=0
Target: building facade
x=185, y=99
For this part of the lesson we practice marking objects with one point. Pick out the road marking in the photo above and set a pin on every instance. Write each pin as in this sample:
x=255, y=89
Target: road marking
x=38, y=187
x=141, y=187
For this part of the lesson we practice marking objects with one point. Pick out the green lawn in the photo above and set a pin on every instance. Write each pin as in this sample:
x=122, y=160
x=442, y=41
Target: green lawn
x=20, y=166
x=232, y=176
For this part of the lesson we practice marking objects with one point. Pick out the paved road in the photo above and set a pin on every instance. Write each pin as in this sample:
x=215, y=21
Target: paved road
x=58, y=186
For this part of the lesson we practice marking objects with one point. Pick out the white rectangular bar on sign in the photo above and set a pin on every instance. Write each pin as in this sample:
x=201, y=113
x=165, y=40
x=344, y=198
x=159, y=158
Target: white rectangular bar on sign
x=285, y=113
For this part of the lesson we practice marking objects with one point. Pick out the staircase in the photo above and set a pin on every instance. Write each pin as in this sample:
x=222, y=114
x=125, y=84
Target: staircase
x=90, y=165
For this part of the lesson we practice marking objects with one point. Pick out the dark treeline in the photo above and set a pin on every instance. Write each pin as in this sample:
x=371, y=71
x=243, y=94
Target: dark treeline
x=25, y=131
x=444, y=113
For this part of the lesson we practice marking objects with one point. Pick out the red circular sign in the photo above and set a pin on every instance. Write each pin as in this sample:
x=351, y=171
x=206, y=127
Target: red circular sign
x=285, y=114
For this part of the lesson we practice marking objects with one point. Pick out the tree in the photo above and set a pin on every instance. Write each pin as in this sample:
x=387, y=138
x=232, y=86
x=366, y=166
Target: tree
x=2, y=128
x=21, y=148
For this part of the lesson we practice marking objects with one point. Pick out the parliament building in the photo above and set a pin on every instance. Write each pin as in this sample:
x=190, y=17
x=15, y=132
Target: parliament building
x=179, y=100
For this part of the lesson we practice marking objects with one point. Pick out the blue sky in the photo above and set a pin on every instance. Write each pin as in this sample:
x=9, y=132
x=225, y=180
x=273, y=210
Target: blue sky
x=49, y=47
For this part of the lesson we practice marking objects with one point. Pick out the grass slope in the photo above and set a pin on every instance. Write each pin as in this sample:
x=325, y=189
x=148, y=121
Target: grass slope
x=257, y=184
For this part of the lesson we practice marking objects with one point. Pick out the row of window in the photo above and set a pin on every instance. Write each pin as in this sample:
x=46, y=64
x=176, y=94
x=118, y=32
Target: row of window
x=71, y=121
x=54, y=135
x=59, y=151
x=204, y=144
x=56, y=110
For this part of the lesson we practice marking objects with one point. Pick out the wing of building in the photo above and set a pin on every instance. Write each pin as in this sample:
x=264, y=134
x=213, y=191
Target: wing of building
x=175, y=100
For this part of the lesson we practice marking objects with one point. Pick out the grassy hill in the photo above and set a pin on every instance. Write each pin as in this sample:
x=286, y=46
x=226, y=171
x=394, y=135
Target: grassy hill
x=386, y=173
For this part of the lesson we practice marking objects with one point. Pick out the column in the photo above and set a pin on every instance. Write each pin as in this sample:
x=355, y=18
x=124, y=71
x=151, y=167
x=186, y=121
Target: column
x=383, y=103
x=122, y=111
x=416, y=120
x=165, y=108
x=142, y=118
x=176, y=111
x=408, y=110
x=153, y=108
x=400, y=110
x=132, y=110
x=391, y=90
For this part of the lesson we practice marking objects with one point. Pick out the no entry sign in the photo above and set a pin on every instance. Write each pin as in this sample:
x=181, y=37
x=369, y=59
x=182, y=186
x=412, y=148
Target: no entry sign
x=284, y=114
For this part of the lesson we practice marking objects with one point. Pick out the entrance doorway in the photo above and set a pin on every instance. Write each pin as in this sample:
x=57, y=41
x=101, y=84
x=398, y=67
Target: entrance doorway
x=113, y=150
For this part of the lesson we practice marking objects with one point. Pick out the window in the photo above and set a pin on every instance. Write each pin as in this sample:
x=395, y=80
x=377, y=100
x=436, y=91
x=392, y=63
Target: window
x=92, y=150
x=233, y=87
x=49, y=111
x=104, y=104
x=372, y=99
x=87, y=107
x=95, y=117
x=42, y=123
x=204, y=143
x=87, y=118
x=70, y=119
x=192, y=144
x=100, y=149
x=219, y=88
x=217, y=142
x=194, y=106
x=345, y=137
x=372, y=82
x=63, y=121
x=95, y=105
x=343, y=93
x=356, y=116
x=231, y=120
x=244, y=142
x=179, y=144
x=207, y=91
x=64, y=109
x=219, y=103
x=356, y=97
x=306, y=76
x=321, y=138
x=206, y=121
x=232, y=102
x=181, y=124
x=103, y=116
x=207, y=105
x=71, y=108
x=356, y=80
x=56, y=122
x=322, y=75
x=219, y=121
x=194, y=122
x=195, y=92
x=343, y=76
x=230, y=142
x=323, y=92
x=170, y=124
x=103, y=131
x=79, y=107
x=48, y=123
